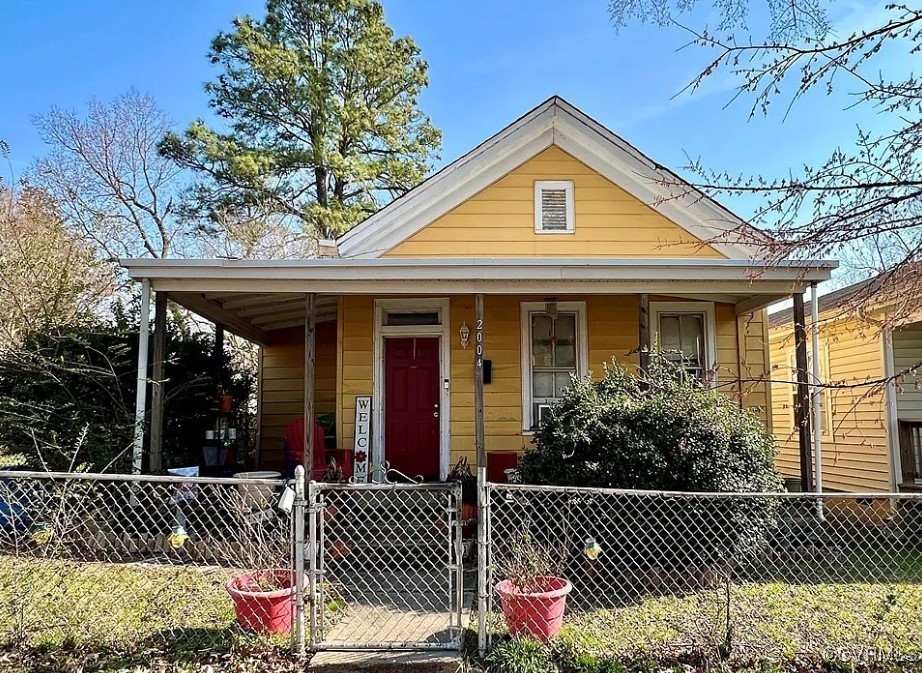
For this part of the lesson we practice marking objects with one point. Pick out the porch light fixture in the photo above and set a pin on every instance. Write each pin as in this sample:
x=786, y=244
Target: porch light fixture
x=465, y=333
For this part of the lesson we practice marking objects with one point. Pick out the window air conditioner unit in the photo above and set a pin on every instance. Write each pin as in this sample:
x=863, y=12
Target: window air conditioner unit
x=541, y=411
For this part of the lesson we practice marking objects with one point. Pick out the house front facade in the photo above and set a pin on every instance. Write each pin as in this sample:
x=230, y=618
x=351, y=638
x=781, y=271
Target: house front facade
x=459, y=312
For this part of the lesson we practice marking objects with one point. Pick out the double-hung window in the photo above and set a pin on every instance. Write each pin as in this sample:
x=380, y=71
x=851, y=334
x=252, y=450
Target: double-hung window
x=685, y=335
x=553, y=351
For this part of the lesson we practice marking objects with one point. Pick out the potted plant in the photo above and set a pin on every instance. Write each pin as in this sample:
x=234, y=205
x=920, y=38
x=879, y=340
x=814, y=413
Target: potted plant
x=533, y=595
x=263, y=595
x=263, y=600
x=462, y=473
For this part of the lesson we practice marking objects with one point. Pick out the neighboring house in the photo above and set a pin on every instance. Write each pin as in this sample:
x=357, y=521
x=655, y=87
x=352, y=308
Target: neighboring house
x=579, y=250
x=871, y=409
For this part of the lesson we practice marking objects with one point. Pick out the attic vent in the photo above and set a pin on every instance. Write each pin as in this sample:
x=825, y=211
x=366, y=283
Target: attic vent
x=554, y=207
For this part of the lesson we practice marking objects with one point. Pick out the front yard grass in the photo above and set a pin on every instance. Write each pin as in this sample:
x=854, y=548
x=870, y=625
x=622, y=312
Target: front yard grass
x=184, y=613
x=53, y=604
x=778, y=620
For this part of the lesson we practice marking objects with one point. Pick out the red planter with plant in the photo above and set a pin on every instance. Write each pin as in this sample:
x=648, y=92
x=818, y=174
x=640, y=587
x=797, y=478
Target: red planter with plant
x=263, y=600
x=533, y=594
x=535, y=611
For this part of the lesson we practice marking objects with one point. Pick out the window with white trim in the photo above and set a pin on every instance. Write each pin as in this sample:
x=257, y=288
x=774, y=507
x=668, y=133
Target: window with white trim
x=685, y=334
x=554, y=345
x=554, y=211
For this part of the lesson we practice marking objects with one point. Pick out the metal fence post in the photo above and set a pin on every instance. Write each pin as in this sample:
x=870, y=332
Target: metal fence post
x=313, y=511
x=298, y=511
x=456, y=556
x=483, y=560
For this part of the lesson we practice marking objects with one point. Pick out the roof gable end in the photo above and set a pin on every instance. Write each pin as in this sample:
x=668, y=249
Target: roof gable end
x=554, y=122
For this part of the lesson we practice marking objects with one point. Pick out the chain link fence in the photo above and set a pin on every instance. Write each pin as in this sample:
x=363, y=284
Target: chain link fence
x=135, y=563
x=644, y=574
x=123, y=562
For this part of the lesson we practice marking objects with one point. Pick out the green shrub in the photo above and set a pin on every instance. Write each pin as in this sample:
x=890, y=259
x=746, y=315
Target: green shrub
x=662, y=431
x=521, y=656
x=67, y=395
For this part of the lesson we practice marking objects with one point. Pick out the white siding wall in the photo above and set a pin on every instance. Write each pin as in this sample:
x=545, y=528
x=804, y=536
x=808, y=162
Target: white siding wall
x=907, y=352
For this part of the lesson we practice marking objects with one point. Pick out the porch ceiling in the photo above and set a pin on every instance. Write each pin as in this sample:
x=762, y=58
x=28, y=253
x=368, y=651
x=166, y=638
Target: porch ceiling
x=254, y=315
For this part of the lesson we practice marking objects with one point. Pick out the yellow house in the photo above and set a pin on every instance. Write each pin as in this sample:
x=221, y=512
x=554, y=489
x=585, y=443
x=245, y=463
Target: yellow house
x=544, y=252
x=871, y=403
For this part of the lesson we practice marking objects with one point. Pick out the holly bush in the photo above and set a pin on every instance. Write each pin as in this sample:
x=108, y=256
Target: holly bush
x=660, y=431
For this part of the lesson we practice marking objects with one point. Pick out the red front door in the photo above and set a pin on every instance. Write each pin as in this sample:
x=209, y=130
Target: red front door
x=411, y=405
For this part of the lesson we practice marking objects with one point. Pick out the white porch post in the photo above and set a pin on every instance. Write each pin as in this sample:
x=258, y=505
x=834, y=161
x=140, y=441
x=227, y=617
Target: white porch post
x=816, y=392
x=893, y=424
x=140, y=405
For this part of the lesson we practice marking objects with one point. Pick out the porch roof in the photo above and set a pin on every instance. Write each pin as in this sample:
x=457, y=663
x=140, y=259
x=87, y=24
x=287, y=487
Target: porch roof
x=253, y=297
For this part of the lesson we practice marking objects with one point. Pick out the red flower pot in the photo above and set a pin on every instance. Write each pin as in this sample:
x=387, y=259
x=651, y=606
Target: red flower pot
x=537, y=614
x=263, y=611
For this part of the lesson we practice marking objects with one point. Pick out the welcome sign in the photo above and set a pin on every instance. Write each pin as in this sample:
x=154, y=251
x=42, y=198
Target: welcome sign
x=361, y=448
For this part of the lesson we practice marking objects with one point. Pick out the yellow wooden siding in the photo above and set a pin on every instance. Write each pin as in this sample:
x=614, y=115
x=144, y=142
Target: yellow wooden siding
x=500, y=220
x=613, y=332
x=281, y=386
x=907, y=353
x=856, y=455
x=355, y=348
x=753, y=348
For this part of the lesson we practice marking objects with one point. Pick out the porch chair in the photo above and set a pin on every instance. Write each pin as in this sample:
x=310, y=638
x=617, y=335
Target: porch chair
x=294, y=452
x=294, y=449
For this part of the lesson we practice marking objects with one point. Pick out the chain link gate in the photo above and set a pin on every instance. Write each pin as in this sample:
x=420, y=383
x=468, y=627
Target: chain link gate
x=386, y=572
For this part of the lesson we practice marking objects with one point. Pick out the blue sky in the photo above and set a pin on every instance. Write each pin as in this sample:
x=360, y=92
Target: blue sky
x=490, y=62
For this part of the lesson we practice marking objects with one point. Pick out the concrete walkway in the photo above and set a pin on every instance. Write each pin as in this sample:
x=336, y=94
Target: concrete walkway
x=386, y=662
x=404, y=609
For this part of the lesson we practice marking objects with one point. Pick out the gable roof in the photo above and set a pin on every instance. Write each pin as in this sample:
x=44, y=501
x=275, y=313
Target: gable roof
x=879, y=288
x=824, y=303
x=554, y=122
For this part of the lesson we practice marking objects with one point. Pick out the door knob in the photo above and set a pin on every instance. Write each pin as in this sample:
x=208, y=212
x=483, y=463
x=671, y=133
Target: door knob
x=435, y=414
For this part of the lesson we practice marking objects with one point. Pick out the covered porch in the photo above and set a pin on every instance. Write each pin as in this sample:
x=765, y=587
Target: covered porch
x=458, y=357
